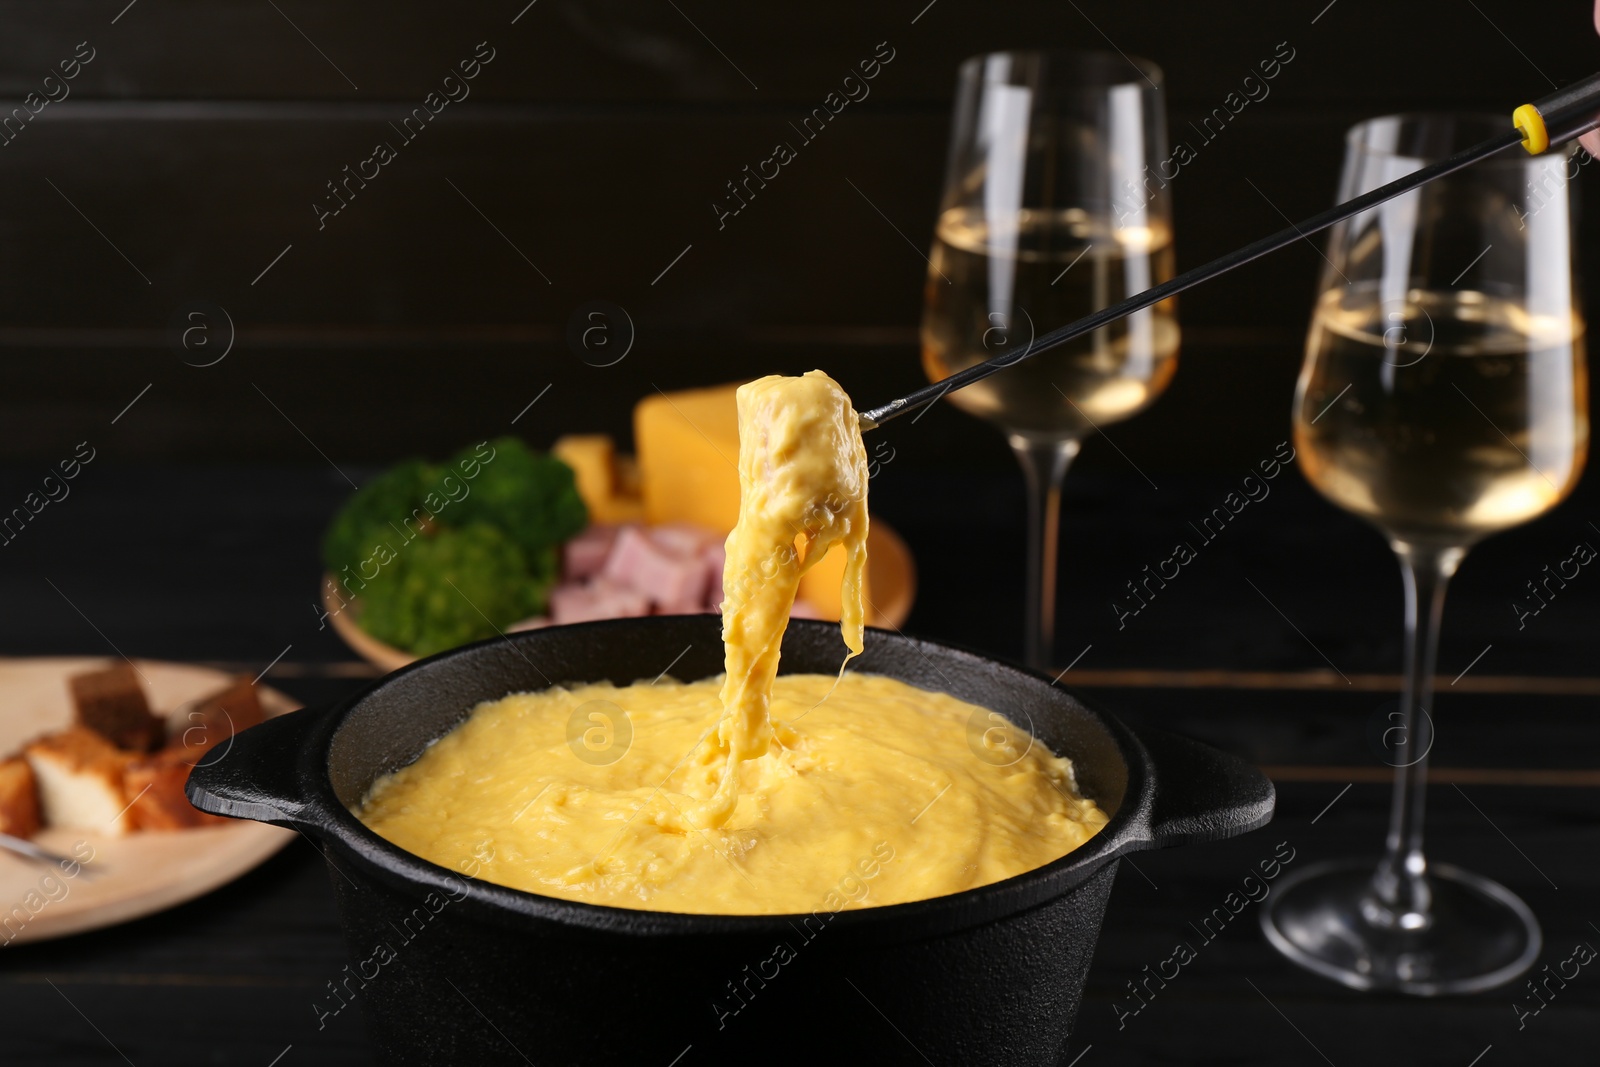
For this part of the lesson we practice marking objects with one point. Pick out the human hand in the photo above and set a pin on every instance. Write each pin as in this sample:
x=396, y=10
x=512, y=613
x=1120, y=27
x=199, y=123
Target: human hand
x=1591, y=140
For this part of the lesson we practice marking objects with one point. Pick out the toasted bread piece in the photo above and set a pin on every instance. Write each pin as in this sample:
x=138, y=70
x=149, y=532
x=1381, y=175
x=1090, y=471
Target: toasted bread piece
x=154, y=787
x=214, y=719
x=112, y=702
x=79, y=774
x=19, y=798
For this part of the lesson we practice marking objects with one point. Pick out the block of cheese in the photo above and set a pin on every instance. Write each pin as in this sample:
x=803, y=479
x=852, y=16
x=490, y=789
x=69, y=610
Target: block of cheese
x=820, y=586
x=619, y=511
x=688, y=448
x=601, y=482
x=592, y=457
x=688, y=444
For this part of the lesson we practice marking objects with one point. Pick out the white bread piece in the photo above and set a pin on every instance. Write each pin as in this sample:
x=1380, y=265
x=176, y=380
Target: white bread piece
x=80, y=781
x=19, y=798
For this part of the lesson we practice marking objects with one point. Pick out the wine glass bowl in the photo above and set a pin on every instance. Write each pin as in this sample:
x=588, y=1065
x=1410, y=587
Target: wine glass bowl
x=1443, y=398
x=1065, y=267
x=1377, y=435
x=1053, y=208
x=1444, y=393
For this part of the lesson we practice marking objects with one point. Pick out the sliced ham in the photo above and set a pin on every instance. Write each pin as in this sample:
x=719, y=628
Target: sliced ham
x=693, y=608
x=536, y=622
x=598, y=599
x=585, y=555
x=613, y=571
x=662, y=575
x=682, y=538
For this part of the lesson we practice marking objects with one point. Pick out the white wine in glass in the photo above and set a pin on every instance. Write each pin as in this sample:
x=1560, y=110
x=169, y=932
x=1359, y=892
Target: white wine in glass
x=1050, y=214
x=1059, y=267
x=1443, y=398
x=1485, y=431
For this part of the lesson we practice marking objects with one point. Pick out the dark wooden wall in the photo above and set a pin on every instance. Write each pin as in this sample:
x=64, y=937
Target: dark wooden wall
x=192, y=148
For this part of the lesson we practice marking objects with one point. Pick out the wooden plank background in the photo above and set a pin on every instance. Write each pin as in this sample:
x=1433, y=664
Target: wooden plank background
x=191, y=148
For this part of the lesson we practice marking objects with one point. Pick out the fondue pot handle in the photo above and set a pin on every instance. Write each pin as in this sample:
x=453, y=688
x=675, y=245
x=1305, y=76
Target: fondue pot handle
x=260, y=773
x=1199, y=793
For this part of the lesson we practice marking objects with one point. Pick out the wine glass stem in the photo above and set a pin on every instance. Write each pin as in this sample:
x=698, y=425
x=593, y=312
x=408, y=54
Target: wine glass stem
x=1044, y=465
x=1400, y=895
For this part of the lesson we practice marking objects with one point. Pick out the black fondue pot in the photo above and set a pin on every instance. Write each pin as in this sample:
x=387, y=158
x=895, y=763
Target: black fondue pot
x=451, y=970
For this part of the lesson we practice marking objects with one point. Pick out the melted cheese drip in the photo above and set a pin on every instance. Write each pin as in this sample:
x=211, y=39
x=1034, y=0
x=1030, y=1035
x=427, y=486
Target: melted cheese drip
x=752, y=793
x=802, y=490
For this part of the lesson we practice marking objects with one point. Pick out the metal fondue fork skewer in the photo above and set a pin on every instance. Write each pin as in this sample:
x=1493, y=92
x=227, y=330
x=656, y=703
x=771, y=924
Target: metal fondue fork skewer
x=28, y=850
x=1558, y=117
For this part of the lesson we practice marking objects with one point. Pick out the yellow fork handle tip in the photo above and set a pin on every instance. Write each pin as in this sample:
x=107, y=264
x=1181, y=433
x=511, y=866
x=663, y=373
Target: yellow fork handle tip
x=1535, y=138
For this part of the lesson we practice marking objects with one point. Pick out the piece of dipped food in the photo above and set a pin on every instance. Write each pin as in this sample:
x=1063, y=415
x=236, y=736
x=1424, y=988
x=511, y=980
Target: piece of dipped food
x=79, y=775
x=154, y=787
x=19, y=798
x=112, y=703
x=154, y=783
x=214, y=719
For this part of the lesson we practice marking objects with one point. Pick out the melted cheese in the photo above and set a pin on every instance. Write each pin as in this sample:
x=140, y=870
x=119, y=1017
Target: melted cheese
x=874, y=792
x=802, y=490
x=751, y=793
x=688, y=445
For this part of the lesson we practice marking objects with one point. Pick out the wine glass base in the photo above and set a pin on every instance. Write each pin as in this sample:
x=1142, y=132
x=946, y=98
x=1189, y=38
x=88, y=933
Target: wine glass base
x=1482, y=935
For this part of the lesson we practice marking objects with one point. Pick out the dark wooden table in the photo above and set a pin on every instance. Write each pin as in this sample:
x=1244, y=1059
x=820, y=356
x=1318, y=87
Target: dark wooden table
x=1280, y=641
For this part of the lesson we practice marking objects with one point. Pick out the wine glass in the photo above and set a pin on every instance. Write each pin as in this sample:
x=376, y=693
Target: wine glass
x=1055, y=205
x=1443, y=398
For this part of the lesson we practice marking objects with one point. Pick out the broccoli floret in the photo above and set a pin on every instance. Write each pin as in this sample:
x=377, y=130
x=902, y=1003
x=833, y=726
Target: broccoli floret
x=491, y=522
x=378, y=513
x=530, y=495
x=459, y=585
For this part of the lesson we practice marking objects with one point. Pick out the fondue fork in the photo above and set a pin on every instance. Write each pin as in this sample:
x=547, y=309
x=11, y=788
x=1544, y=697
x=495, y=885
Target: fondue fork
x=1557, y=118
x=28, y=850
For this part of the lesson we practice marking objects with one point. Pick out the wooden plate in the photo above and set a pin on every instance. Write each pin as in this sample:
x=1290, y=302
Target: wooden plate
x=131, y=876
x=891, y=577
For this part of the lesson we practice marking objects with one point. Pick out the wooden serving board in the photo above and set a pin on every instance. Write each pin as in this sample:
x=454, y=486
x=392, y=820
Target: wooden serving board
x=130, y=876
x=891, y=580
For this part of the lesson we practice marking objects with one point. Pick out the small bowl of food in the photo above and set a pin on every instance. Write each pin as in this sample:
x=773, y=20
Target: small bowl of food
x=502, y=537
